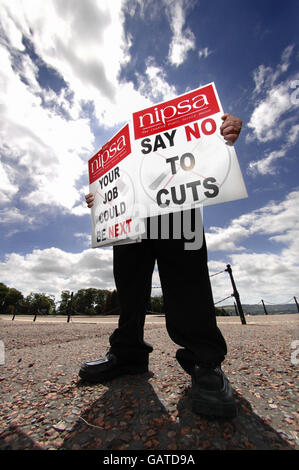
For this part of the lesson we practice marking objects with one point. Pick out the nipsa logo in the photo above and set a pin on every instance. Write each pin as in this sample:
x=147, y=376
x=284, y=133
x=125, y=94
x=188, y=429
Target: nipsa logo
x=110, y=154
x=190, y=107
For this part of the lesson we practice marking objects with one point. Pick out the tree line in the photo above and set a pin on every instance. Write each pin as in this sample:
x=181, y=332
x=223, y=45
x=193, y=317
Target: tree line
x=89, y=301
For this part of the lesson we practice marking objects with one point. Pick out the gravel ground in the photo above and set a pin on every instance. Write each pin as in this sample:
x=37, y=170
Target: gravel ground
x=45, y=406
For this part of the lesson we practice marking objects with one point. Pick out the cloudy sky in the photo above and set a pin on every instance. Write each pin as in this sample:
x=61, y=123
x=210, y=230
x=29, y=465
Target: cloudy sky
x=72, y=71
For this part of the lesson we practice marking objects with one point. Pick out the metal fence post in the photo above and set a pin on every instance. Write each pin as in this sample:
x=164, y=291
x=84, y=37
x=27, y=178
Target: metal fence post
x=266, y=313
x=70, y=308
x=236, y=294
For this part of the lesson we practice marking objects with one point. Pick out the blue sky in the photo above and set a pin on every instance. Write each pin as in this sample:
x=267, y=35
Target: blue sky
x=72, y=72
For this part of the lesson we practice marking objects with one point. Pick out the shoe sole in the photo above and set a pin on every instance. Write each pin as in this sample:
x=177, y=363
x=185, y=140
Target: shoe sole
x=220, y=410
x=109, y=375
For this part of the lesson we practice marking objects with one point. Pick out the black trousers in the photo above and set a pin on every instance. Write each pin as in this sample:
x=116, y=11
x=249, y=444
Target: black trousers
x=188, y=300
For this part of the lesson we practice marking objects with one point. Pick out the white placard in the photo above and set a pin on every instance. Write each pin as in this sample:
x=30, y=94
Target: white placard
x=184, y=160
x=112, y=175
x=169, y=157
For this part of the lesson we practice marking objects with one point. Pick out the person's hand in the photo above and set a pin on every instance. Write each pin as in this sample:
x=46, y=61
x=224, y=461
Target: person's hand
x=231, y=127
x=89, y=198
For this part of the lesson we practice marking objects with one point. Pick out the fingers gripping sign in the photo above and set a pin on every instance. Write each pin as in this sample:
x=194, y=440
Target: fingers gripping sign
x=89, y=198
x=231, y=127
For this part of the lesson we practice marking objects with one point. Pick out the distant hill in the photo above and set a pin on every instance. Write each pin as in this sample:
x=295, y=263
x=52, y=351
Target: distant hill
x=257, y=309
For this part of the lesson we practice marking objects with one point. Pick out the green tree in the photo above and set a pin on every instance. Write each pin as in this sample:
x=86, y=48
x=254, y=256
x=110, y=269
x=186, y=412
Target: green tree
x=85, y=301
x=89, y=301
x=112, y=303
x=157, y=304
x=100, y=300
x=64, y=302
x=3, y=293
x=221, y=312
x=53, y=305
x=90, y=296
x=36, y=303
x=10, y=299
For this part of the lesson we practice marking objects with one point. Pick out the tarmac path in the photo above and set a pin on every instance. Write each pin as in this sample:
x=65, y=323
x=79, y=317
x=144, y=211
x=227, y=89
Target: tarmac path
x=45, y=406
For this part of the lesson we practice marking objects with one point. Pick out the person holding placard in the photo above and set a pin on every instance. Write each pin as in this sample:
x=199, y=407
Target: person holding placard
x=189, y=311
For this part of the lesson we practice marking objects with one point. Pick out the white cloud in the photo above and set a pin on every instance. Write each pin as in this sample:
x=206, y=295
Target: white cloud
x=7, y=188
x=85, y=237
x=183, y=39
x=11, y=216
x=39, y=143
x=85, y=43
x=53, y=270
x=266, y=165
x=146, y=9
x=153, y=83
x=43, y=136
x=270, y=116
x=273, y=117
x=204, y=53
x=258, y=275
x=12, y=30
x=226, y=239
x=259, y=77
x=272, y=276
x=266, y=119
x=274, y=218
x=265, y=76
x=292, y=135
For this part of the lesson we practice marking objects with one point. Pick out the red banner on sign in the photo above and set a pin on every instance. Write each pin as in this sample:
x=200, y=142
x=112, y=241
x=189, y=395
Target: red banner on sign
x=110, y=154
x=179, y=111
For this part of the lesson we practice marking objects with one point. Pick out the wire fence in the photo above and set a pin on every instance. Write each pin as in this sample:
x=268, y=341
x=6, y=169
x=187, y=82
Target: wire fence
x=219, y=301
x=238, y=310
x=237, y=302
x=275, y=303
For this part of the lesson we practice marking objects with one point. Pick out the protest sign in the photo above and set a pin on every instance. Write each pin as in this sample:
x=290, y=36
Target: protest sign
x=169, y=157
x=184, y=161
x=111, y=179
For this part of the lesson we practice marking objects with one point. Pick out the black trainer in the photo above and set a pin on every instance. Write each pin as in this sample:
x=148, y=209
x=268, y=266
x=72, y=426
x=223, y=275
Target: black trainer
x=212, y=394
x=108, y=368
